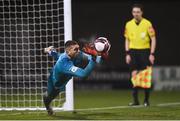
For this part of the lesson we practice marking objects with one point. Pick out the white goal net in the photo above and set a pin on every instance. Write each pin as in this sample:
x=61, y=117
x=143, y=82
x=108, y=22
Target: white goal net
x=26, y=27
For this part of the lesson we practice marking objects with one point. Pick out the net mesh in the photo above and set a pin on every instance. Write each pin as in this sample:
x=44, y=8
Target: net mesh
x=26, y=27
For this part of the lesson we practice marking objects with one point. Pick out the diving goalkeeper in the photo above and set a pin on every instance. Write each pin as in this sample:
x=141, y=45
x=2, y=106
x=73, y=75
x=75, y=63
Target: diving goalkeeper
x=68, y=64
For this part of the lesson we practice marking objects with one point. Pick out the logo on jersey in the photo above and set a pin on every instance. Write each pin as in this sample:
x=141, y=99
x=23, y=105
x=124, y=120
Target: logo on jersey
x=143, y=35
x=73, y=69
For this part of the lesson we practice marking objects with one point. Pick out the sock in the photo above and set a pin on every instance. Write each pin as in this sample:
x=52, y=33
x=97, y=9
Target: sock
x=51, y=95
x=147, y=94
x=135, y=95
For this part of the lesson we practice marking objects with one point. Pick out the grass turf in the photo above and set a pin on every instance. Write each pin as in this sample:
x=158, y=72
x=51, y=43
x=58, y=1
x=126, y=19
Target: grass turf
x=108, y=98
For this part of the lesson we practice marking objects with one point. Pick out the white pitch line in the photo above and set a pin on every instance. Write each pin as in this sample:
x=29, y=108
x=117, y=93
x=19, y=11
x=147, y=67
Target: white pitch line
x=108, y=108
x=83, y=109
x=103, y=108
x=121, y=107
x=168, y=104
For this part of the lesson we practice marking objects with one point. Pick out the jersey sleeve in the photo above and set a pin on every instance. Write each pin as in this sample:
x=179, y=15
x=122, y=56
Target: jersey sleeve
x=69, y=68
x=98, y=58
x=54, y=54
x=151, y=30
x=126, y=32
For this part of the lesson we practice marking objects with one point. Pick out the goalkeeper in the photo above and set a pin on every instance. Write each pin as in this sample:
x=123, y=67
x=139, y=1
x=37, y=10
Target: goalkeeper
x=69, y=64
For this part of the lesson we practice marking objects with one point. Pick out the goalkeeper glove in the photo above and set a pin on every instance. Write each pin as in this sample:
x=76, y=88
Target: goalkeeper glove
x=49, y=49
x=89, y=49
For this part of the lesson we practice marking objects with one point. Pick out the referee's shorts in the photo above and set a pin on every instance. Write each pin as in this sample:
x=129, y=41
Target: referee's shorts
x=139, y=59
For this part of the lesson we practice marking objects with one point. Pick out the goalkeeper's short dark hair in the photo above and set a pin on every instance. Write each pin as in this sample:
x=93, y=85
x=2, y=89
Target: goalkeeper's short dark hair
x=70, y=42
x=138, y=6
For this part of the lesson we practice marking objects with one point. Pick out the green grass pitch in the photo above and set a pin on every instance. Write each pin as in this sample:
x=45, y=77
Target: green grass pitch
x=108, y=104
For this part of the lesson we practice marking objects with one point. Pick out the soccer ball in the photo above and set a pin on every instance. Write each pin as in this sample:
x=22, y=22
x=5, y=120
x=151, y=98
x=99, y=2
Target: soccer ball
x=102, y=44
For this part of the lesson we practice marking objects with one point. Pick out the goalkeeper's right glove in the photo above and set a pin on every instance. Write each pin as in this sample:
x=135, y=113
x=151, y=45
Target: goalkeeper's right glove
x=105, y=55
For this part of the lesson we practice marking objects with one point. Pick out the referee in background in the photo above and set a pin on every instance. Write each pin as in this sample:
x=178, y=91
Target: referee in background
x=140, y=44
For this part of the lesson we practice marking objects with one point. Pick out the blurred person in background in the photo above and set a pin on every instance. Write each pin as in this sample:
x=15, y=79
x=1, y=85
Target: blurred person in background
x=140, y=44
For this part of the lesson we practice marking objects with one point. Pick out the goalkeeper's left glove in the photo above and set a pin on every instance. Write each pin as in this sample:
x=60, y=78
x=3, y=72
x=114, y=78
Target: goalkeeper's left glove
x=89, y=49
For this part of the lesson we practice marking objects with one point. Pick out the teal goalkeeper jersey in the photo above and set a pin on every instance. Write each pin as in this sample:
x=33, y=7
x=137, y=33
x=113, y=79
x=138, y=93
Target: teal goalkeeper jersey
x=65, y=68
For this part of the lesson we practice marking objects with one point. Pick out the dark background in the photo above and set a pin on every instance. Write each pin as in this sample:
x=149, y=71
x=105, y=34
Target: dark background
x=108, y=17
x=26, y=30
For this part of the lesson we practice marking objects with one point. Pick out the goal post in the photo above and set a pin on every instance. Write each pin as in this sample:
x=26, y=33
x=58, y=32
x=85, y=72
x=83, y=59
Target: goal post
x=69, y=104
x=26, y=28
